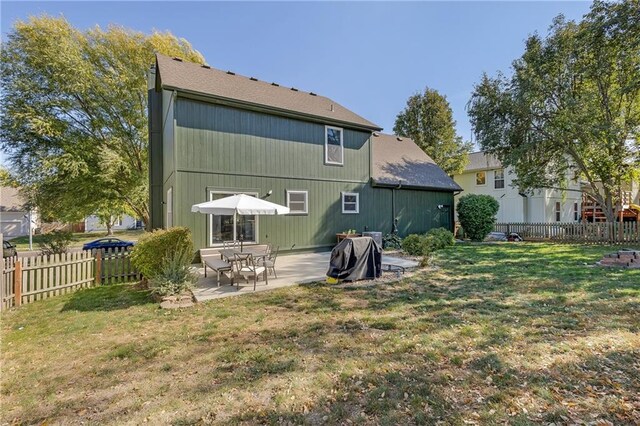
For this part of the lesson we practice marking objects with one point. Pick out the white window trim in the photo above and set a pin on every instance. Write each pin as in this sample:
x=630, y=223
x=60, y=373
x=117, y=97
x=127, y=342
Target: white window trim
x=557, y=211
x=495, y=179
x=357, y=210
x=576, y=211
x=326, y=146
x=306, y=200
x=117, y=221
x=235, y=237
x=475, y=176
x=169, y=223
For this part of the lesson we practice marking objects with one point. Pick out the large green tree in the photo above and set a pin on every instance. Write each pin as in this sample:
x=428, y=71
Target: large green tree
x=428, y=120
x=571, y=107
x=74, y=114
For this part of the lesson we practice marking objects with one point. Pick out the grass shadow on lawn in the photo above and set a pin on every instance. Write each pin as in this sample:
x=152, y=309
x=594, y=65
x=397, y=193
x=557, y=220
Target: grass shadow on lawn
x=107, y=298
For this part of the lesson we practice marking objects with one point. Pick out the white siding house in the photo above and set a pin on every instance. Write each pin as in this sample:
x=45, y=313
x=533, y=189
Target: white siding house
x=14, y=217
x=485, y=175
x=93, y=223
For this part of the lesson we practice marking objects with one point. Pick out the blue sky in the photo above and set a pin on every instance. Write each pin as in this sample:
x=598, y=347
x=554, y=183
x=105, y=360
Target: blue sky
x=370, y=57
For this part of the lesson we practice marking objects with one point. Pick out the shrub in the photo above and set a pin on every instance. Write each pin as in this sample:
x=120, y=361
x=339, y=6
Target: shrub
x=55, y=242
x=175, y=276
x=414, y=244
x=153, y=249
x=439, y=238
x=477, y=214
x=391, y=241
x=424, y=245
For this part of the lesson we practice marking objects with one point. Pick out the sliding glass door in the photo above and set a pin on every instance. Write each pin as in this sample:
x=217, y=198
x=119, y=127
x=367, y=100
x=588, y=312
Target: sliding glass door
x=226, y=228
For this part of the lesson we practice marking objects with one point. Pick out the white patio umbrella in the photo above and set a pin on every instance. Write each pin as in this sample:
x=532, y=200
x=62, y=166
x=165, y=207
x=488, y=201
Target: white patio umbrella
x=239, y=204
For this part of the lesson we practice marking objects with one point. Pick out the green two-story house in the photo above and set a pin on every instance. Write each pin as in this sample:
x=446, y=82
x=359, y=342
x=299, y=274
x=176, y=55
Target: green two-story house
x=214, y=133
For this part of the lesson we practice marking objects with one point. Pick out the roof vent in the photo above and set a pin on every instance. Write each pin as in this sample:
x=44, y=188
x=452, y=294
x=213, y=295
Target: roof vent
x=231, y=73
x=206, y=66
x=398, y=138
x=331, y=109
x=376, y=134
x=294, y=89
x=275, y=84
x=175, y=58
x=312, y=94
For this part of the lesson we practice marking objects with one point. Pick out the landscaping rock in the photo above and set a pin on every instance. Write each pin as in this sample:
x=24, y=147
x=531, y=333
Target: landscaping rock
x=179, y=301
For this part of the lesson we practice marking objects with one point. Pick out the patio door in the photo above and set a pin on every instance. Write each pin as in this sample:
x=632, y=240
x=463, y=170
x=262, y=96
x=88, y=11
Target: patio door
x=226, y=228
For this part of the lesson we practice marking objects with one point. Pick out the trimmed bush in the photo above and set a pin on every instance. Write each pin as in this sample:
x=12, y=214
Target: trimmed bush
x=154, y=249
x=477, y=214
x=175, y=277
x=414, y=244
x=439, y=238
x=424, y=245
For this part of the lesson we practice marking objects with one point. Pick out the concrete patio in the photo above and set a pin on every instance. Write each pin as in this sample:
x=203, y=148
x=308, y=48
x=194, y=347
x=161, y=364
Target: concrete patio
x=291, y=270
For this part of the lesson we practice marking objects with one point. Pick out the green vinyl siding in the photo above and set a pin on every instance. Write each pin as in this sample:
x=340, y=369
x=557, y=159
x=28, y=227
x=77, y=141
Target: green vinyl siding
x=223, y=149
x=417, y=210
x=217, y=138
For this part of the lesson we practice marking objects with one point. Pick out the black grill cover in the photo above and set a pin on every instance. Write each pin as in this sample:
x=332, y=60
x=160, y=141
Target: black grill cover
x=356, y=259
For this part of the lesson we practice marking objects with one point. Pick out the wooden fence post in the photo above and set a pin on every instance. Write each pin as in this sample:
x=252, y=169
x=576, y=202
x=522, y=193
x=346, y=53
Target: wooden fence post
x=98, y=266
x=17, y=283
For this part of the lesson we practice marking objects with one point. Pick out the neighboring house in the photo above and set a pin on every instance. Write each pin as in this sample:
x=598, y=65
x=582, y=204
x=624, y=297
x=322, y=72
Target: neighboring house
x=485, y=175
x=14, y=217
x=93, y=223
x=214, y=133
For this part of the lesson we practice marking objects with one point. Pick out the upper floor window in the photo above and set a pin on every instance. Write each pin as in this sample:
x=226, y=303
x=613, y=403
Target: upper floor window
x=576, y=213
x=481, y=178
x=558, y=211
x=333, y=145
x=297, y=201
x=350, y=202
x=498, y=179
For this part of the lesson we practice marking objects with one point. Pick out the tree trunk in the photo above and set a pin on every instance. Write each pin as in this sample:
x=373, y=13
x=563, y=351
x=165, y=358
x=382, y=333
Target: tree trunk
x=109, y=227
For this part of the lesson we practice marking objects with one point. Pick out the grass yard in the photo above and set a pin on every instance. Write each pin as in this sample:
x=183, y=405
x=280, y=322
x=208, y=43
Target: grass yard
x=519, y=334
x=79, y=238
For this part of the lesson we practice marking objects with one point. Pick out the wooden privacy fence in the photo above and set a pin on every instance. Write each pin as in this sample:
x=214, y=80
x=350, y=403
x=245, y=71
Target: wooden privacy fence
x=586, y=233
x=27, y=279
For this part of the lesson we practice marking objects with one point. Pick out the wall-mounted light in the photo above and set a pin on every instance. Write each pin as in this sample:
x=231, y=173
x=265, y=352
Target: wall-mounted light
x=440, y=206
x=269, y=192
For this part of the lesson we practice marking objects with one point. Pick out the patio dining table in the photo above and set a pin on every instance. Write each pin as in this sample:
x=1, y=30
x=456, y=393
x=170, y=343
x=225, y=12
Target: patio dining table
x=230, y=254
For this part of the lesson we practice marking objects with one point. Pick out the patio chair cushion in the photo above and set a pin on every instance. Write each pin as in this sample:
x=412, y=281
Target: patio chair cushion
x=250, y=271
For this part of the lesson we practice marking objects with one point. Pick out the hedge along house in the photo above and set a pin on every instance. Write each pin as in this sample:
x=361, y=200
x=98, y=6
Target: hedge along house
x=214, y=133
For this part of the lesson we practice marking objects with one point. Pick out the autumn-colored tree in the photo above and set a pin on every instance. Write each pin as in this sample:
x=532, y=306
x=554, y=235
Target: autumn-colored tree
x=74, y=114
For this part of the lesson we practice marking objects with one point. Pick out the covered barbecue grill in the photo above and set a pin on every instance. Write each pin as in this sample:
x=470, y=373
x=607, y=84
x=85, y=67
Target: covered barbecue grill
x=355, y=259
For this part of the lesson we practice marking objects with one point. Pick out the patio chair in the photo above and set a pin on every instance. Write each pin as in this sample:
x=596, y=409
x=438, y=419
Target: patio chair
x=246, y=267
x=230, y=244
x=270, y=261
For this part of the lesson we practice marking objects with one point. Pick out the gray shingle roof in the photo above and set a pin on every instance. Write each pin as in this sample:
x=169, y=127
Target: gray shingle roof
x=191, y=77
x=482, y=161
x=401, y=160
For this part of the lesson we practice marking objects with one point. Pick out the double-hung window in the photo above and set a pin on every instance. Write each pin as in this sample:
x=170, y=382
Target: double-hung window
x=333, y=145
x=297, y=201
x=350, y=202
x=576, y=212
x=498, y=179
x=558, y=211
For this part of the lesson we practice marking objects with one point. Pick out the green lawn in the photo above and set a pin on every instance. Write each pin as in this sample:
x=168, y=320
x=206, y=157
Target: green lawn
x=493, y=334
x=79, y=238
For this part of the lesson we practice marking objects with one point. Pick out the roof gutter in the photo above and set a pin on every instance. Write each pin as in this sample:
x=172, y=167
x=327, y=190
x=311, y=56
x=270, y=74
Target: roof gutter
x=190, y=94
x=403, y=185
